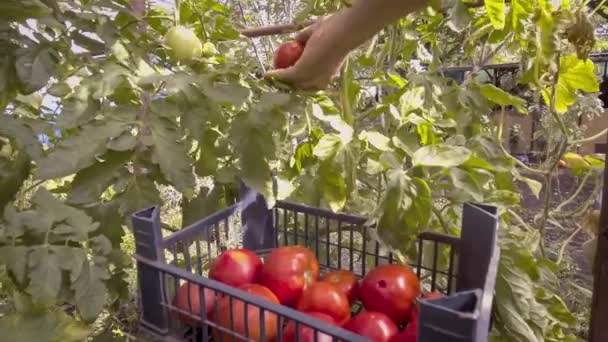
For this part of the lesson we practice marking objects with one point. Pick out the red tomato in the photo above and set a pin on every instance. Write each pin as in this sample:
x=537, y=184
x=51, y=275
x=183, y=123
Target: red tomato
x=325, y=298
x=287, y=54
x=288, y=271
x=376, y=326
x=251, y=315
x=392, y=290
x=307, y=334
x=236, y=267
x=345, y=281
x=187, y=299
x=409, y=334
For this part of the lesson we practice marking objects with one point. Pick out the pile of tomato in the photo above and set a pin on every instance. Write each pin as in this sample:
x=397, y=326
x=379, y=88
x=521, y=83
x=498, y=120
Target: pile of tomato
x=290, y=276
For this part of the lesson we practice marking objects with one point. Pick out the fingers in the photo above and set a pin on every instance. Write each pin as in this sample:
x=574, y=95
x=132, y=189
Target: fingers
x=305, y=33
x=287, y=75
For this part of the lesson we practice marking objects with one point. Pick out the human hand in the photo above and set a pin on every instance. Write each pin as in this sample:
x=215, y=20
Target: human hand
x=319, y=62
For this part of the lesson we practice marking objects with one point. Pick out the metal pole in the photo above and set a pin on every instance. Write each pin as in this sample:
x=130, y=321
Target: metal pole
x=599, y=305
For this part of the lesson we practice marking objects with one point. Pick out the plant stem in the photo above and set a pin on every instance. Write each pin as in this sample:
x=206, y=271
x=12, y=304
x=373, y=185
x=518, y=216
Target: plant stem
x=591, y=138
x=560, y=256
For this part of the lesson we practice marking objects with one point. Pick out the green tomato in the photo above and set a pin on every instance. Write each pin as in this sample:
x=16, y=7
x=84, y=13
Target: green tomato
x=183, y=44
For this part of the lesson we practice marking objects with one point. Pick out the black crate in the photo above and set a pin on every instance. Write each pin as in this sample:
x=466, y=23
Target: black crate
x=463, y=267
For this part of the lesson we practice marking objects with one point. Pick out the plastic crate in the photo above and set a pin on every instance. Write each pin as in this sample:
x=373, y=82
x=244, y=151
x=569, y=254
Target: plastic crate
x=463, y=267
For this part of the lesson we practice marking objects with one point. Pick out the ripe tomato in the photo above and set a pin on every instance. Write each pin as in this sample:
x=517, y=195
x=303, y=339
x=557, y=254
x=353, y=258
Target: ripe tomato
x=409, y=334
x=183, y=44
x=252, y=316
x=287, y=54
x=187, y=299
x=288, y=271
x=325, y=298
x=307, y=334
x=345, y=281
x=236, y=267
x=376, y=326
x=392, y=290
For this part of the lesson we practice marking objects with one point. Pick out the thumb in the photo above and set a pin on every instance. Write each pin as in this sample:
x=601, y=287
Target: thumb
x=287, y=75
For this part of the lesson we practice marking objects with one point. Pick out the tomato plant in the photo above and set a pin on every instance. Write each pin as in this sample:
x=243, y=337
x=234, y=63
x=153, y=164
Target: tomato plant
x=374, y=325
x=325, y=298
x=288, y=272
x=236, y=267
x=307, y=334
x=392, y=290
x=247, y=319
x=345, y=281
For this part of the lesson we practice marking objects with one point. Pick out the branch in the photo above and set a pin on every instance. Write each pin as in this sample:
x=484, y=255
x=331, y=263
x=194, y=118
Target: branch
x=274, y=29
x=591, y=138
x=255, y=49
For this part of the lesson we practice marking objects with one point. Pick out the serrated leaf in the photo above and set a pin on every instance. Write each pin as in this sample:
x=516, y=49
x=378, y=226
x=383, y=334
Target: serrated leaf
x=328, y=146
x=70, y=259
x=441, y=156
x=171, y=154
x=110, y=220
x=207, y=162
x=91, y=182
x=90, y=291
x=34, y=68
x=15, y=258
x=79, y=152
x=60, y=89
x=101, y=245
x=377, y=140
x=574, y=75
x=44, y=274
x=496, y=13
x=501, y=97
x=225, y=93
x=520, y=10
x=206, y=203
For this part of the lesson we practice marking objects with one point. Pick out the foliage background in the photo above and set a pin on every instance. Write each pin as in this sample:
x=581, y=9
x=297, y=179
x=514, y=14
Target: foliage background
x=100, y=121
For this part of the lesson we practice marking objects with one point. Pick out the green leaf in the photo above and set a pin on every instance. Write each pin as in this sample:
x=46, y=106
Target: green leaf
x=34, y=68
x=534, y=185
x=376, y=139
x=441, y=156
x=91, y=182
x=90, y=291
x=15, y=258
x=78, y=109
x=332, y=184
x=60, y=89
x=171, y=154
x=110, y=220
x=23, y=135
x=465, y=181
x=70, y=259
x=574, y=75
x=141, y=193
x=520, y=11
x=496, y=13
x=52, y=326
x=79, y=152
x=206, y=203
x=13, y=173
x=225, y=93
x=124, y=142
x=328, y=146
x=45, y=275
x=501, y=97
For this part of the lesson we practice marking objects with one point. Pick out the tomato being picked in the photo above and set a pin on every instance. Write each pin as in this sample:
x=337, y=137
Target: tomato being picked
x=307, y=334
x=325, y=298
x=236, y=267
x=288, y=271
x=187, y=299
x=345, y=281
x=287, y=54
x=252, y=315
x=392, y=290
x=376, y=326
